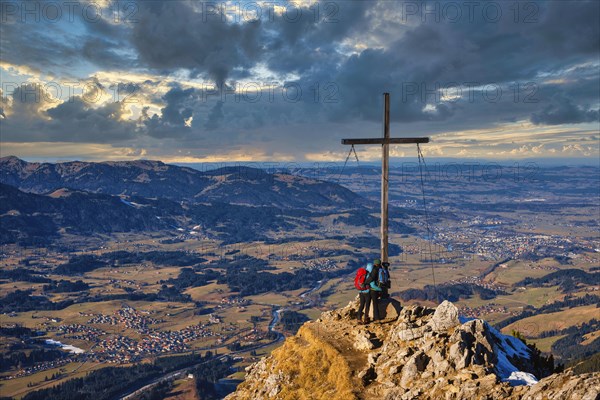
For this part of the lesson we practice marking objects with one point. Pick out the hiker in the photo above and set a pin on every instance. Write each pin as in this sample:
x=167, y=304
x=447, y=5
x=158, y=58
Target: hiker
x=363, y=292
x=384, y=280
x=374, y=289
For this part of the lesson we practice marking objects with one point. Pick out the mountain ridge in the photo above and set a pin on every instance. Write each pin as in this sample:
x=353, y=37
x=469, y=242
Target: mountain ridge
x=419, y=353
x=155, y=179
x=30, y=218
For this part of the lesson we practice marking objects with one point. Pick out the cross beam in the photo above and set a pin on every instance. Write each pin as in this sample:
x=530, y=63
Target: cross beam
x=385, y=142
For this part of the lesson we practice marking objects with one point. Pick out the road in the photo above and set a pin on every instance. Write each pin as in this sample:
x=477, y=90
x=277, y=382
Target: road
x=171, y=375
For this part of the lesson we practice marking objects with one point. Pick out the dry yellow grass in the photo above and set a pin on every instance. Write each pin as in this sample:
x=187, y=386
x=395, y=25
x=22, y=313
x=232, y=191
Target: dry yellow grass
x=545, y=344
x=317, y=369
x=6, y=288
x=515, y=271
x=590, y=337
x=312, y=369
x=212, y=292
x=270, y=298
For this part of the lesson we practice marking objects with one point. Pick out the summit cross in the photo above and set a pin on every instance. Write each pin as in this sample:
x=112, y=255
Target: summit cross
x=385, y=142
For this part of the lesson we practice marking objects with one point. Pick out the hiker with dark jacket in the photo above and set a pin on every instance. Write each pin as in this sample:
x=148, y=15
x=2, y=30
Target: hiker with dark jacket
x=365, y=299
x=374, y=289
x=384, y=280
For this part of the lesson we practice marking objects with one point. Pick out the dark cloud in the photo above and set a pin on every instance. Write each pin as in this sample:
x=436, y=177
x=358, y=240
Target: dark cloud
x=61, y=45
x=77, y=121
x=215, y=117
x=562, y=110
x=176, y=111
x=29, y=99
x=36, y=45
x=174, y=116
x=307, y=40
x=105, y=53
x=173, y=35
x=470, y=53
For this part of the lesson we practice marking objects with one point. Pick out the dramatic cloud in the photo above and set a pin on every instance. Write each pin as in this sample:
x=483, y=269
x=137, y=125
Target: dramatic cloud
x=194, y=79
x=176, y=117
x=173, y=35
x=562, y=110
x=34, y=115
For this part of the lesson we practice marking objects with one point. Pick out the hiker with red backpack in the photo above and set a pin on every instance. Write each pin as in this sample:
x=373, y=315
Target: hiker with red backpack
x=360, y=283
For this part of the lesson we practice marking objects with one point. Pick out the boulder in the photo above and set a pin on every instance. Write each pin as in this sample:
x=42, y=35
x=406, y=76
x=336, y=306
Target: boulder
x=362, y=341
x=411, y=333
x=388, y=309
x=445, y=317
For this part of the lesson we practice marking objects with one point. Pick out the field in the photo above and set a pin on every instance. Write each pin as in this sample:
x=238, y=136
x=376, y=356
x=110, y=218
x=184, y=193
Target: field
x=546, y=343
x=183, y=389
x=554, y=321
x=18, y=387
x=514, y=271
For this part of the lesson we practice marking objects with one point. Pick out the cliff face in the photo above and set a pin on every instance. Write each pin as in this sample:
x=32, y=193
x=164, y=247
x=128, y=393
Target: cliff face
x=422, y=354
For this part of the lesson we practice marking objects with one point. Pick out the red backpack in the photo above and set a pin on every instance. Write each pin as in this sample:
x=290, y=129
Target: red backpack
x=360, y=278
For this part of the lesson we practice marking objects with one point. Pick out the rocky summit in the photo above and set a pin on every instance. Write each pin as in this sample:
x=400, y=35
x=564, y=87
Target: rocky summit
x=415, y=353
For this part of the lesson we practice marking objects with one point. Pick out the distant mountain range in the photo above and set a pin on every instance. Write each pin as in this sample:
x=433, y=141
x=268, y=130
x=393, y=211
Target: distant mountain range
x=29, y=218
x=33, y=219
x=38, y=202
x=154, y=179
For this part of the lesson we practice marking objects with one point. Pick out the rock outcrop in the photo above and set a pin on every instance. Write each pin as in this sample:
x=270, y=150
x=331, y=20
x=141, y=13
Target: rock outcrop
x=422, y=353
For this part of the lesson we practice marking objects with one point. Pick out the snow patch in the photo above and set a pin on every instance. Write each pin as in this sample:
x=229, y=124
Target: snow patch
x=68, y=347
x=509, y=373
x=522, y=378
x=514, y=346
x=126, y=202
x=511, y=347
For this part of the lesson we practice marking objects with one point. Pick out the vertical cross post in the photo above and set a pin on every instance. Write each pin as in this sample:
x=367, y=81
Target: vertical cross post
x=385, y=142
x=385, y=172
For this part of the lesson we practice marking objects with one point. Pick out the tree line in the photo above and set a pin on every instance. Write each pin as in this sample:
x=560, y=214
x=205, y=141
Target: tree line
x=22, y=359
x=567, y=279
x=451, y=292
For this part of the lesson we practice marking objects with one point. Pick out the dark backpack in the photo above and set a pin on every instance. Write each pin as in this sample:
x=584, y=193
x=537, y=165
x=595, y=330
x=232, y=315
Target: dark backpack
x=360, y=278
x=383, y=278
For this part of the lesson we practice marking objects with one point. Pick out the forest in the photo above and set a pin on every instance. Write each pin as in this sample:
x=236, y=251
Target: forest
x=450, y=292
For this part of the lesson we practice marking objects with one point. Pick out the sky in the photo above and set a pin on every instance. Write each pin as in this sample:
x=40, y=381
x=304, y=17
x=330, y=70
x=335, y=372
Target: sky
x=194, y=81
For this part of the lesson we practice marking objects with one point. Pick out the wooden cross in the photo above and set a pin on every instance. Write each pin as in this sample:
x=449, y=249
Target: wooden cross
x=385, y=167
